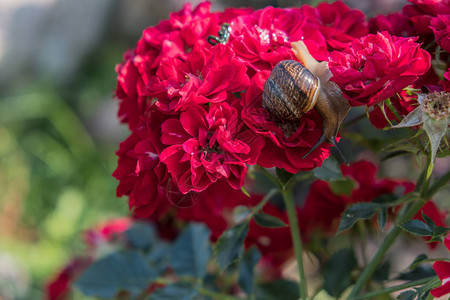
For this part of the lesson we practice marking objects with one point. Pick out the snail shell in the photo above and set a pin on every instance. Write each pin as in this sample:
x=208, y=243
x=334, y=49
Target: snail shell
x=286, y=89
x=293, y=89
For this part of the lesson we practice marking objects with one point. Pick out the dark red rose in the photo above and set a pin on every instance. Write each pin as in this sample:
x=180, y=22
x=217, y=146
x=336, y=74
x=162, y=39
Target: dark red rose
x=283, y=149
x=339, y=24
x=106, y=232
x=396, y=24
x=446, y=81
x=203, y=147
x=377, y=67
x=58, y=287
x=422, y=11
x=207, y=76
x=441, y=29
x=263, y=38
x=442, y=269
x=403, y=103
x=173, y=38
x=142, y=176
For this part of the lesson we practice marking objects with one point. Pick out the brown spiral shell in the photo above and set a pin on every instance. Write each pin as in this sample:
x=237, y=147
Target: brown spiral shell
x=290, y=91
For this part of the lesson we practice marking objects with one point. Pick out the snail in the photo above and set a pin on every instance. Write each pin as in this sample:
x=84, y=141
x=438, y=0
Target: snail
x=293, y=89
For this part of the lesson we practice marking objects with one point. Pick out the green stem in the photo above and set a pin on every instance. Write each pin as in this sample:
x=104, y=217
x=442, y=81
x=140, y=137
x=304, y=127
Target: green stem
x=395, y=288
x=296, y=239
x=388, y=241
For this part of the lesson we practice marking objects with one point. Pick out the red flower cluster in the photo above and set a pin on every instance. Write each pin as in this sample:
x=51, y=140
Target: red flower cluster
x=195, y=109
x=377, y=67
x=429, y=21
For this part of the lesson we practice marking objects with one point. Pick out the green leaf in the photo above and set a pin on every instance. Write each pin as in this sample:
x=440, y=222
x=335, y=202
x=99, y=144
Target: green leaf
x=266, y=220
x=407, y=295
x=435, y=130
x=357, y=212
x=246, y=193
x=338, y=270
x=429, y=221
x=246, y=268
x=141, y=235
x=120, y=271
x=179, y=290
x=417, y=227
x=414, y=118
x=382, y=218
x=273, y=290
x=417, y=261
x=329, y=171
x=191, y=251
x=230, y=245
x=420, y=272
x=342, y=187
x=402, y=147
x=284, y=177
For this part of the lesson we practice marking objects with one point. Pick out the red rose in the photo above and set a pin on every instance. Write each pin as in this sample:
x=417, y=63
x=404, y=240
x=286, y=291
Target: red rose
x=173, y=38
x=106, y=232
x=442, y=269
x=58, y=287
x=377, y=67
x=446, y=81
x=203, y=147
x=263, y=38
x=441, y=29
x=207, y=76
x=142, y=176
x=339, y=24
x=422, y=11
x=396, y=24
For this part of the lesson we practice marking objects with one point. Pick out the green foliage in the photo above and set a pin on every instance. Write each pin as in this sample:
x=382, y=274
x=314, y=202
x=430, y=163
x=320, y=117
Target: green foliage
x=427, y=228
x=123, y=270
x=284, y=177
x=178, y=290
x=338, y=270
x=359, y=211
x=266, y=220
x=329, y=171
x=191, y=251
x=246, y=269
x=230, y=245
x=273, y=290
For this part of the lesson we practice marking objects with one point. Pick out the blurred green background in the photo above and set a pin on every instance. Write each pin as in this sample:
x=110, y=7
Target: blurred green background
x=58, y=129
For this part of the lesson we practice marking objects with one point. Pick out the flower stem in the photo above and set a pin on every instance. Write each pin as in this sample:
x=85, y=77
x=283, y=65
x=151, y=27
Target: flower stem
x=412, y=209
x=395, y=288
x=296, y=239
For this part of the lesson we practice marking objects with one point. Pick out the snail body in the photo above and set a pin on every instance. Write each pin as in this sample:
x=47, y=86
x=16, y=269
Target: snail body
x=293, y=89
